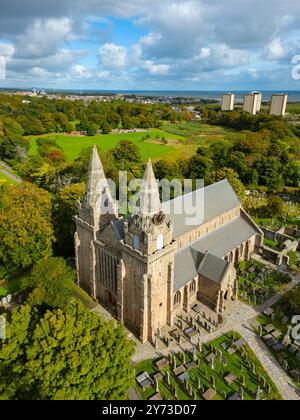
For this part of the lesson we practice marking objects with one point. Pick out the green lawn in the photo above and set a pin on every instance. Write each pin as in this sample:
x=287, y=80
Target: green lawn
x=6, y=179
x=182, y=141
x=236, y=362
x=153, y=148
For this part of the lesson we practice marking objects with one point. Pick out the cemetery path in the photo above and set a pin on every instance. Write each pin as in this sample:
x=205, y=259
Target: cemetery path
x=281, y=379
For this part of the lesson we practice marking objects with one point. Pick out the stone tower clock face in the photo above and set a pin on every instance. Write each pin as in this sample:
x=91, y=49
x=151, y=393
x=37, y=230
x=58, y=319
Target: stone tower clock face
x=159, y=218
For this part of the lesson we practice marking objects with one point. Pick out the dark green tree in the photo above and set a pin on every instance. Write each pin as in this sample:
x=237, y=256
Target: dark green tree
x=64, y=354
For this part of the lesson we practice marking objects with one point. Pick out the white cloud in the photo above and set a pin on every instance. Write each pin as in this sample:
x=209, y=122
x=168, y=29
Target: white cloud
x=113, y=56
x=275, y=50
x=80, y=72
x=7, y=50
x=156, y=69
x=43, y=38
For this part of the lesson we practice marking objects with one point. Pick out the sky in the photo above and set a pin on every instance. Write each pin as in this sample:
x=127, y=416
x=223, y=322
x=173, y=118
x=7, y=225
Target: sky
x=150, y=44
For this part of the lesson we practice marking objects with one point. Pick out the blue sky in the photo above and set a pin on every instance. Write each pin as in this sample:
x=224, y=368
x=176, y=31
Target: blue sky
x=150, y=45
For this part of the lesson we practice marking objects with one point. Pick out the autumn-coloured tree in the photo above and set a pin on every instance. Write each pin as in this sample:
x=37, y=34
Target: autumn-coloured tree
x=26, y=232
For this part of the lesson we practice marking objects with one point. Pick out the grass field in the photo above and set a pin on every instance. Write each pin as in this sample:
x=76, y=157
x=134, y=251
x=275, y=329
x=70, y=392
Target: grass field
x=5, y=179
x=182, y=141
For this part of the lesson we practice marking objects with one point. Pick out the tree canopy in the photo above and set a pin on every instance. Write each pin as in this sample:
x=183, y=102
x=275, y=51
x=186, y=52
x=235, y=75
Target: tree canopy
x=64, y=354
x=26, y=232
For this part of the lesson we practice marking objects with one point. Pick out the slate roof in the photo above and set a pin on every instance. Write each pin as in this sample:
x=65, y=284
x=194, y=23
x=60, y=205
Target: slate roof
x=229, y=236
x=216, y=200
x=205, y=257
x=189, y=263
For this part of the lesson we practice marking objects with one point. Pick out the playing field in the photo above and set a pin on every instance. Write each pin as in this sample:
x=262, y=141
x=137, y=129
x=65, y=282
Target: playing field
x=174, y=141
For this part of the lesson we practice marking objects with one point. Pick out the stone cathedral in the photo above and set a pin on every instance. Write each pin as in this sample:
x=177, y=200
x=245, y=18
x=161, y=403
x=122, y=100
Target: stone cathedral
x=149, y=267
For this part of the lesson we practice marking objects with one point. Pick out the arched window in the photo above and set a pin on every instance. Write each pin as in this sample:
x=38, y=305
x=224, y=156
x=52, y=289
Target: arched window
x=136, y=243
x=177, y=298
x=193, y=286
x=160, y=241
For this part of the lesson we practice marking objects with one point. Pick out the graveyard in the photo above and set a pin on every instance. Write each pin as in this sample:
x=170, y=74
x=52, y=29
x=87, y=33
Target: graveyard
x=274, y=327
x=225, y=369
x=257, y=283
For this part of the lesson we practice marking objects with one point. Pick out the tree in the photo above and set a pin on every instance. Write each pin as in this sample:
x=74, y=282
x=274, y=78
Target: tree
x=54, y=280
x=65, y=208
x=26, y=232
x=11, y=138
x=106, y=128
x=64, y=354
x=91, y=130
x=275, y=207
x=198, y=167
x=233, y=178
x=126, y=154
x=293, y=299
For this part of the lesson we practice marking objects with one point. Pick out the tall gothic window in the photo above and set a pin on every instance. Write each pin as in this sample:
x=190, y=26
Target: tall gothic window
x=177, y=298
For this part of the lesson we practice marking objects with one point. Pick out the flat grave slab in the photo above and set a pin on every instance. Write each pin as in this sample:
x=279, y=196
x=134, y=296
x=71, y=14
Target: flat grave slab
x=191, y=365
x=269, y=328
x=183, y=377
x=210, y=357
x=231, y=351
x=230, y=379
x=277, y=334
x=224, y=345
x=269, y=312
x=142, y=377
x=156, y=397
x=162, y=363
x=158, y=377
x=146, y=384
x=209, y=394
x=239, y=343
x=235, y=397
x=179, y=370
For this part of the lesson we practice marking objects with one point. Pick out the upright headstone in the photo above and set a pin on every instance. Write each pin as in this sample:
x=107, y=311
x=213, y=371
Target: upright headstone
x=257, y=395
x=156, y=385
x=241, y=392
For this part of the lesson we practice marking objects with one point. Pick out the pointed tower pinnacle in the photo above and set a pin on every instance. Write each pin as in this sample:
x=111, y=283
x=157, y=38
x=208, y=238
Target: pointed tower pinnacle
x=150, y=202
x=98, y=198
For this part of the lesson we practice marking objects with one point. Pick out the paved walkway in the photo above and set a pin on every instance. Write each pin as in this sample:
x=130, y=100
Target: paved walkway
x=282, y=380
x=5, y=169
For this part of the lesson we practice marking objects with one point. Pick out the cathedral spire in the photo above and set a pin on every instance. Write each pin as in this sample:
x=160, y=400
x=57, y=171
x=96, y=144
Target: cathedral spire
x=150, y=202
x=98, y=199
x=96, y=179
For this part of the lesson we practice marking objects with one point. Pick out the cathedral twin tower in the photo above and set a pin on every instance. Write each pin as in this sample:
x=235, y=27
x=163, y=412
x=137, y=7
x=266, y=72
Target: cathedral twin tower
x=126, y=263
